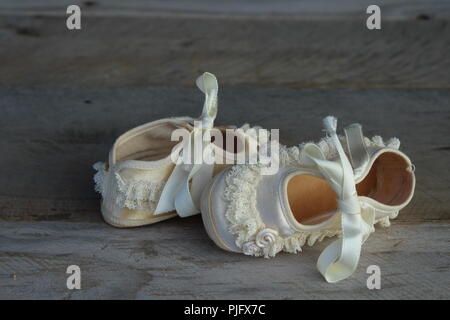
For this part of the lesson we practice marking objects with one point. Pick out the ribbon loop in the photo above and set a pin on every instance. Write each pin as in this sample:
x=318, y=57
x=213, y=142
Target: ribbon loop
x=356, y=148
x=349, y=205
x=207, y=83
x=183, y=188
x=340, y=259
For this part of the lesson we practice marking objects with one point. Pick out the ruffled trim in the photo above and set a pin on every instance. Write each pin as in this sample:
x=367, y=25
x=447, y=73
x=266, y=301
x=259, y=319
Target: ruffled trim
x=99, y=177
x=132, y=194
x=240, y=193
x=245, y=223
x=138, y=194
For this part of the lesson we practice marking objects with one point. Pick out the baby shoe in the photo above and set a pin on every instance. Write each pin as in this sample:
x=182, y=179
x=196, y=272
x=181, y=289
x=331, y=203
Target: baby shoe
x=320, y=190
x=145, y=180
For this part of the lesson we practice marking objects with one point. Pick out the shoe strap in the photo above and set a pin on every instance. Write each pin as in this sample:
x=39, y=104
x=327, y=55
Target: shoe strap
x=182, y=190
x=340, y=259
x=357, y=149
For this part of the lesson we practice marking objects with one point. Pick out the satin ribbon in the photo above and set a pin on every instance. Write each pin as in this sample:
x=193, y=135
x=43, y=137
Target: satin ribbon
x=183, y=189
x=356, y=148
x=340, y=259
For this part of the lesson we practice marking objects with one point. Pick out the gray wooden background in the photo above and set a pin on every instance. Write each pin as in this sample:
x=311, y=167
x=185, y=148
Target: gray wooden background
x=65, y=95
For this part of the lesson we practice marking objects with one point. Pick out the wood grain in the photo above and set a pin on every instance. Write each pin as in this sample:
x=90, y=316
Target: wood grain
x=66, y=95
x=54, y=134
x=327, y=9
x=176, y=260
x=167, y=50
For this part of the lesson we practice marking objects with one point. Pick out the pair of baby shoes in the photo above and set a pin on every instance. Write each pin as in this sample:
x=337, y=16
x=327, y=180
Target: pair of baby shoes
x=341, y=186
x=149, y=176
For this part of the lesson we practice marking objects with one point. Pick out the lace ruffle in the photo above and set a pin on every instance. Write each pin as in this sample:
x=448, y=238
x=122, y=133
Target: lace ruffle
x=99, y=177
x=244, y=218
x=139, y=194
x=131, y=194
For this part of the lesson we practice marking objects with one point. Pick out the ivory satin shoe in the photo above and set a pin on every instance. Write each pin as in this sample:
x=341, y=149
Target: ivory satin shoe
x=340, y=186
x=142, y=182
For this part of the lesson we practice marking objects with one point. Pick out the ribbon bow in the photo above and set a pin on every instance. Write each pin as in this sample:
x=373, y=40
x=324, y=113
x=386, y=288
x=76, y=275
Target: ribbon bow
x=340, y=259
x=177, y=195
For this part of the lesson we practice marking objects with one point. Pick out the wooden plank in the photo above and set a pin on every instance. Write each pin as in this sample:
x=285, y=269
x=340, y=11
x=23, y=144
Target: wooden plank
x=397, y=9
x=175, y=259
x=167, y=50
x=52, y=136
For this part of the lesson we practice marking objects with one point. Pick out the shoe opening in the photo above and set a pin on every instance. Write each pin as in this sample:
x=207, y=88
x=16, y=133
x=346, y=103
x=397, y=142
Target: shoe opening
x=389, y=181
x=148, y=143
x=152, y=143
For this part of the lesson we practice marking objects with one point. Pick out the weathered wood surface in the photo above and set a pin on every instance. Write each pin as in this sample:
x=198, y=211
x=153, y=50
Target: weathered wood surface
x=65, y=95
x=119, y=47
x=175, y=259
x=53, y=135
x=397, y=9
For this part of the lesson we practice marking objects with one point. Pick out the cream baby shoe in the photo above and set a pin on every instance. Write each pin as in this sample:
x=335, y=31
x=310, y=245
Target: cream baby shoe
x=145, y=179
x=320, y=190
